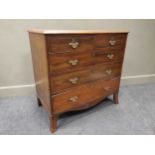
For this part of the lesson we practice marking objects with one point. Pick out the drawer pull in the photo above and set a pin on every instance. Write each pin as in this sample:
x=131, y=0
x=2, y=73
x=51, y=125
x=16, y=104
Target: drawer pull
x=73, y=43
x=109, y=71
x=74, y=80
x=110, y=56
x=107, y=88
x=112, y=42
x=73, y=62
x=73, y=99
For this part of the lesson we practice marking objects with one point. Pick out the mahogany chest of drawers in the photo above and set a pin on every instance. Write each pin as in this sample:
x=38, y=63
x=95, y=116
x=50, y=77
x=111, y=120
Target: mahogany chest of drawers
x=75, y=70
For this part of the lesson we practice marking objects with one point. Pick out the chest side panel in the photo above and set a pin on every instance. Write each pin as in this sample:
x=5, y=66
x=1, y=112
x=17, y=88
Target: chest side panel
x=40, y=65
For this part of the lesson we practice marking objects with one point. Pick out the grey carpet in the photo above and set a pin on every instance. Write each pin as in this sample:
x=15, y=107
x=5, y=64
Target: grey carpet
x=135, y=114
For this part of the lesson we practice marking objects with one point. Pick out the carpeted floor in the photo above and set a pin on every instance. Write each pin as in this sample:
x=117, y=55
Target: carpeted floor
x=135, y=114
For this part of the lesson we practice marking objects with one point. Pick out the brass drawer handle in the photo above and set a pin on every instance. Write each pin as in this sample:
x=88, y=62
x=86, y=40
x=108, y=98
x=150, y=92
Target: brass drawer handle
x=110, y=56
x=74, y=80
x=73, y=43
x=73, y=99
x=107, y=88
x=112, y=42
x=109, y=71
x=73, y=62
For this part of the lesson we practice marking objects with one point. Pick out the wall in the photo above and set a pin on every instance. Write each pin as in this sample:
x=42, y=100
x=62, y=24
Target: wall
x=16, y=73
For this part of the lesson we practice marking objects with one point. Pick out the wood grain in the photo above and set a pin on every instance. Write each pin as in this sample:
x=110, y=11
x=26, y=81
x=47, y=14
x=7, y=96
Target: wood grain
x=102, y=40
x=62, y=82
x=60, y=43
x=59, y=62
x=40, y=64
x=92, y=58
x=85, y=93
x=42, y=31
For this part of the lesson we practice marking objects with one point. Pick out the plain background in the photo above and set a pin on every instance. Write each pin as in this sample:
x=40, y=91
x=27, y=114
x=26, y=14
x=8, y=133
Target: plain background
x=15, y=55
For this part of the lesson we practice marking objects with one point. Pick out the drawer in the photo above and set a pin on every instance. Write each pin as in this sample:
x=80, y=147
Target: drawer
x=82, y=95
x=68, y=62
x=110, y=41
x=61, y=63
x=69, y=80
x=101, y=56
x=69, y=43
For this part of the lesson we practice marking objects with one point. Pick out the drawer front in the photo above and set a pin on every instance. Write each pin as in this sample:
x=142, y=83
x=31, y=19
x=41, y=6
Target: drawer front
x=68, y=62
x=110, y=41
x=100, y=56
x=61, y=63
x=69, y=80
x=70, y=43
x=84, y=43
x=82, y=95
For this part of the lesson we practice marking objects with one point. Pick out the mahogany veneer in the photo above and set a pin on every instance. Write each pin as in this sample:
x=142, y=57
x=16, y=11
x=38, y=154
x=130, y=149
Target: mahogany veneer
x=76, y=69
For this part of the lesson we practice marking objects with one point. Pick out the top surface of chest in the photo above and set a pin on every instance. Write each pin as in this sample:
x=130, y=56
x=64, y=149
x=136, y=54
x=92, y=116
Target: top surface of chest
x=42, y=31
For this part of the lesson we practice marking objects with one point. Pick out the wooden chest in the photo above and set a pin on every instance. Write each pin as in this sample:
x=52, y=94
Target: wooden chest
x=75, y=70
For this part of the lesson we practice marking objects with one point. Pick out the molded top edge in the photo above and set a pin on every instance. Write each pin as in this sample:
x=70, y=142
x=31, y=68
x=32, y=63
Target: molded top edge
x=41, y=31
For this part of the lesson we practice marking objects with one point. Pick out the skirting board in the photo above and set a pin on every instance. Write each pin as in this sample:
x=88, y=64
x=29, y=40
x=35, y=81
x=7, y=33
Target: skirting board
x=138, y=79
x=27, y=90
x=18, y=90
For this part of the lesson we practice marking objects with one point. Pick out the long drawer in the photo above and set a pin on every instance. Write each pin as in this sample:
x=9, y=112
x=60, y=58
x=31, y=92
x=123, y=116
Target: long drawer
x=76, y=78
x=83, y=95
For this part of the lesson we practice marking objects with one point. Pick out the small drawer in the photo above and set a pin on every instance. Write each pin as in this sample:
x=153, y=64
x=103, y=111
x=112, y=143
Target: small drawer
x=69, y=80
x=101, y=56
x=66, y=62
x=83, y=95
x=70, y=43
x=111, y=41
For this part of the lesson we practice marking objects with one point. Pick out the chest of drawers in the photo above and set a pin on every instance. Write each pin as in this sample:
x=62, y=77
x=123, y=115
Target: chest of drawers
x=75, y=70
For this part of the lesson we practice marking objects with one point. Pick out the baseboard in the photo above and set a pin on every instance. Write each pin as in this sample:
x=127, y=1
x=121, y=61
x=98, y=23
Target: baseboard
x=18, y=90
x=27, y=90
x=138, y=79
